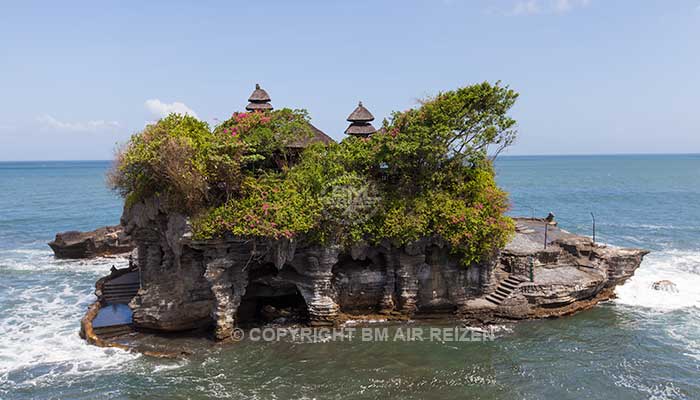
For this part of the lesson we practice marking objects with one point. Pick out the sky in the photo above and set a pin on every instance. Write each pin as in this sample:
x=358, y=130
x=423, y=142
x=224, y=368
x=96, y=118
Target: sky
x=594, y=76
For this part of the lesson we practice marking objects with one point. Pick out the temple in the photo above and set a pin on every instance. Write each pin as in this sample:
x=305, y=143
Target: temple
x=176, y=282
x=259, y=100
x=360, y=122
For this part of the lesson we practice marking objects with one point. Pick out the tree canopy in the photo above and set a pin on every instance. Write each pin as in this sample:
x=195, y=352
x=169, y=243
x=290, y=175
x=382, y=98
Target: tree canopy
x=427, y=173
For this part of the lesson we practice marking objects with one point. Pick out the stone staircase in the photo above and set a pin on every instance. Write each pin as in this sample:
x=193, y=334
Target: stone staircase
x=121, y=289
x=505, y=289
x=523, y=228
x=107, y=332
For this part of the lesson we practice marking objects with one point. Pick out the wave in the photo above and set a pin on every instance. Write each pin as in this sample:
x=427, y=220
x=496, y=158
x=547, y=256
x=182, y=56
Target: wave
x=680, y=267
x=40, y=342
x=34, y=260
x=42, y=301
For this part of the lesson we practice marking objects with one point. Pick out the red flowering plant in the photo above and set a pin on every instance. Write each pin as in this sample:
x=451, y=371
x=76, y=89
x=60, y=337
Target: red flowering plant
x=268, y=206
x=269, y=136
x=427, y=174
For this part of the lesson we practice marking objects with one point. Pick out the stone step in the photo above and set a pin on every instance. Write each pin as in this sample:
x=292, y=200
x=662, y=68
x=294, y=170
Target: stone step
x=492, y=300
x=112, y=331
x=498, y=295
x=129, y=286
x=116, y=295
x=120, y=291
x=509, y=285
x=504, y=292
x=118, y=298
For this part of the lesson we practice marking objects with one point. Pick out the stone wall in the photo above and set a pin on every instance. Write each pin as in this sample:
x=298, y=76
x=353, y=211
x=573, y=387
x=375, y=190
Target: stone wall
x=188, y=284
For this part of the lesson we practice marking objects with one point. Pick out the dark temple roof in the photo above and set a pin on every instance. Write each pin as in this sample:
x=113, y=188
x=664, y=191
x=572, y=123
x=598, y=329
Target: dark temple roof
x=259, y=100
x=361, y=114
x=318, y=136
x=360, y=125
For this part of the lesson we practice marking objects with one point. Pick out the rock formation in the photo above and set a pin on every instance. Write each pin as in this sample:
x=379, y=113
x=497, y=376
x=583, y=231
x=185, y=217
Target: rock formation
x=109, y=240
x=187, y=284
x=665, y=286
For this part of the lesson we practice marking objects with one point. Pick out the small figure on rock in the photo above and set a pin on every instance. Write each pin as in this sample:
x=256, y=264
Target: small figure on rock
x=665, y=286
x=550, y=219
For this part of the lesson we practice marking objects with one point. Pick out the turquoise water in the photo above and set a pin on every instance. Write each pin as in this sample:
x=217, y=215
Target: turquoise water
x=645, y=344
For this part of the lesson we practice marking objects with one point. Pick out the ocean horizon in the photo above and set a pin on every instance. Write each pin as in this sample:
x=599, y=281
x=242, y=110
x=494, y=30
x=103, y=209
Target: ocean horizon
x=499, y=156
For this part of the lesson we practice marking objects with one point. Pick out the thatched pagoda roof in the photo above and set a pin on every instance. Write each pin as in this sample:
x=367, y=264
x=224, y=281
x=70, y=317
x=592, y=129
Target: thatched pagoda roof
x=259, y=94
x=360, y=129
x=360, y=122
x=259, y=100
x=361, y=114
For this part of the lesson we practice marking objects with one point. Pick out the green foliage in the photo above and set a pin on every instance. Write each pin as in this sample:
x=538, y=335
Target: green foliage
x=426, y=174
x=268, y=135
x=174, y=157
x=268, y=206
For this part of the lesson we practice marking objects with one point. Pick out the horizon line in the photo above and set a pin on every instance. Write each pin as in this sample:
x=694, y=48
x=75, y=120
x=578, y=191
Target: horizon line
x=499, y=156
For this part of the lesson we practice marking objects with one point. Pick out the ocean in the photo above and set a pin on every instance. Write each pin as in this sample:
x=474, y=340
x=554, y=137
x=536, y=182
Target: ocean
x=643, y=345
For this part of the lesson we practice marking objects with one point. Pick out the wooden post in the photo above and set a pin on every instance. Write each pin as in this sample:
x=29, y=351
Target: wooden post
x=546, y=228
x=593, y=216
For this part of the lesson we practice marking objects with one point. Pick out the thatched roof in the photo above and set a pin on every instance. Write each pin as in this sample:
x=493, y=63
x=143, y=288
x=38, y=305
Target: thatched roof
x=259, y=94
x=318, y=136
x=259, y=100
x=360, y=129
x=258, y=106
x=361, y=114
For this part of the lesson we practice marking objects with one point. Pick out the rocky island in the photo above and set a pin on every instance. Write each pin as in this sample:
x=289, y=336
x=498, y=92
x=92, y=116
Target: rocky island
x=265, y=216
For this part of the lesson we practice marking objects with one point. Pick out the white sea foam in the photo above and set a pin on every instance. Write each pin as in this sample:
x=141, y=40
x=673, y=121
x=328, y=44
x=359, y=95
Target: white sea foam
x=43, y=260
x=39, y=343
x=680, y=267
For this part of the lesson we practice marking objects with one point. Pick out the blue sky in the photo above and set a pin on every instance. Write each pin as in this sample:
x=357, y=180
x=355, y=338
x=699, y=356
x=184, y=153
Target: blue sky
x=594, y=76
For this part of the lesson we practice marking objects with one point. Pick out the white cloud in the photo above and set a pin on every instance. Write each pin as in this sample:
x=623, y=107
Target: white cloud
x=88, y=126
x=564, y=6
x=533, y=7
x=160, y=109
x=525, y=7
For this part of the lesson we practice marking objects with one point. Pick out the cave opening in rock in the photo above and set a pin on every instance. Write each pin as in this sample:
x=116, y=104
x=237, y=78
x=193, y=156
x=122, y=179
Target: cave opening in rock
x=272, y=297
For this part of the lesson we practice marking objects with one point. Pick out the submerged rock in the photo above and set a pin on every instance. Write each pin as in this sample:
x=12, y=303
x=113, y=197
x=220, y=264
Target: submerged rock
x=109, y=240
x=665, y=286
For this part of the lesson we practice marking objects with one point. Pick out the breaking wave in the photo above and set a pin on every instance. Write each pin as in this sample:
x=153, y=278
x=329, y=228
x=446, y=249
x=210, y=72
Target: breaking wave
x=40, y=344
x=680, y=267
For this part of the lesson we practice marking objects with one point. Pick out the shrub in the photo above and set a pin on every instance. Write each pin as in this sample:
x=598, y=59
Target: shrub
x=426, y=174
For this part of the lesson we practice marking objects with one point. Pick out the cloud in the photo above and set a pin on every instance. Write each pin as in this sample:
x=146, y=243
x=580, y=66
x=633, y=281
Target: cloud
x=160, y=109
x=533, y=7
x=525, y=7
x=564, y=6
x=88, y=126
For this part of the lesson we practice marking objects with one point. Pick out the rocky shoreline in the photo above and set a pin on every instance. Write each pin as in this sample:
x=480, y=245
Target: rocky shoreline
x=105, y=241
x=215, y=286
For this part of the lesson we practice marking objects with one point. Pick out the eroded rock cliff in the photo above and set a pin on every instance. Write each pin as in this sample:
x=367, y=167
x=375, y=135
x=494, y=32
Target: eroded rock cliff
x=109, y=240
x=188, y=284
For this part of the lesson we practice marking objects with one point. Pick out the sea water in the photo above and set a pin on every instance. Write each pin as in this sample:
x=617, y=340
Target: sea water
x=644, y=344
